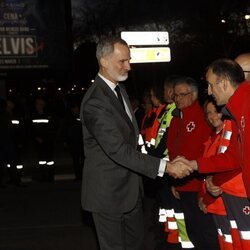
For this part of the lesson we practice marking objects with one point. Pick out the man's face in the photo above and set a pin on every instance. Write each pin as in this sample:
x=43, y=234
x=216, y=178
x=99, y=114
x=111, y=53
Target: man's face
x=183, y=96
x=216, y=88
x=116, y=65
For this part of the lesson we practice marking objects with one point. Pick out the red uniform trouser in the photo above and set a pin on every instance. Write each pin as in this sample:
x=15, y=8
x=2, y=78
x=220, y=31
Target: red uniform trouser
x=238, y=210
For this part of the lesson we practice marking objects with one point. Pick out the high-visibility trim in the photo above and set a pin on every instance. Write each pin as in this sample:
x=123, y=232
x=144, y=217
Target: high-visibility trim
x=172, y=225
x=19, y=166
x=228, y=238
x=162, y=215
x=143, y=150
x=222, y=149
x=42, y=162
x=78, y=119
x=233, y=224
x=245, y=235
x=227, y=134
x=179, y=216
x=15, y=122
x=162, y=211
x=140, y=140
x=219, y=232
x=187, y=244
x=170, y=212
x=50, y=163
x=166, y=158
x=152, y=141
x=162, y=218
x=40, y=121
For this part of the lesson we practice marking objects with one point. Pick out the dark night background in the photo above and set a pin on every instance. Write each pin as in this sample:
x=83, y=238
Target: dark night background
x=197, y=36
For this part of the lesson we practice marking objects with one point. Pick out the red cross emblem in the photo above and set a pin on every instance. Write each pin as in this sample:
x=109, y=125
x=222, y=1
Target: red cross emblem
x=246, y=210
x=190, y=126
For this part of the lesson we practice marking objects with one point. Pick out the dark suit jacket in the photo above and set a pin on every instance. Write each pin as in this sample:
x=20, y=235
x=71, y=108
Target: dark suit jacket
x=111, y=180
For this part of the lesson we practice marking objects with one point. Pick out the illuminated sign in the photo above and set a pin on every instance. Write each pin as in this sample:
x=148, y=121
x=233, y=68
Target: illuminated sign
x=145, y=37
x=148, y=55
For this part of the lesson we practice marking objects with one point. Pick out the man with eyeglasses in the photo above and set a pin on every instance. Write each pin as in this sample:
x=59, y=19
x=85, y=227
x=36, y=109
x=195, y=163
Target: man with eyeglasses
x=187, y=133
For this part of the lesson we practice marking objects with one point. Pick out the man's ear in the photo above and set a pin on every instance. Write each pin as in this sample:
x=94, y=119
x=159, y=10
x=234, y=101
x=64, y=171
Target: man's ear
x=170, y=91
x=103, y=62
x=225, y=84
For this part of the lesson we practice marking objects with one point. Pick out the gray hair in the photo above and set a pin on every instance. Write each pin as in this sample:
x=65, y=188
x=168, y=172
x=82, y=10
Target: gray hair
x=193, y=85
x=106, y=46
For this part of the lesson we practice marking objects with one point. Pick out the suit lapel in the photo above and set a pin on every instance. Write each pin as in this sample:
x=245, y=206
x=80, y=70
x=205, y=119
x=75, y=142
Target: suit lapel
x=115, y=102
x=125, y=95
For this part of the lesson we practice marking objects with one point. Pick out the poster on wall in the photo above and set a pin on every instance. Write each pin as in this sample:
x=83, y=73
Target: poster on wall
x=33, y=34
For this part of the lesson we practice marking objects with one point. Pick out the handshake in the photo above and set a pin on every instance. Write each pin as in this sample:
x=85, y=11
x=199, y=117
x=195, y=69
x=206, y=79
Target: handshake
x=180, y=167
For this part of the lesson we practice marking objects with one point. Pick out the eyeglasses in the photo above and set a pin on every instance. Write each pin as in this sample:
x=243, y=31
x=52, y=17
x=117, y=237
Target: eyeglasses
x=181, y=95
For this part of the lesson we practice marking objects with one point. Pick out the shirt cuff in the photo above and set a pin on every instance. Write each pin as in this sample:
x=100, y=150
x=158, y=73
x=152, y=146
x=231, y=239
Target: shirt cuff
x=162, y=167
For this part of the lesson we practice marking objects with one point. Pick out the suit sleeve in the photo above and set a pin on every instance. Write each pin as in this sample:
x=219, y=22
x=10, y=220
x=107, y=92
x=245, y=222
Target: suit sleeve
x=115, y=138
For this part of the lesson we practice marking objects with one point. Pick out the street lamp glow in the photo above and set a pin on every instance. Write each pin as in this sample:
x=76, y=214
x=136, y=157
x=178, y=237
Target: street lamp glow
x=223, y=20
x=247, y=17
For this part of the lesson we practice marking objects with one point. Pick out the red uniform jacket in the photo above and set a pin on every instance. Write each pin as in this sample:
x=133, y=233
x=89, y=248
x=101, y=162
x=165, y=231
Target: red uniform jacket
x=239, y=151
x=186, y=136
x=231, y=181
x=239, y=106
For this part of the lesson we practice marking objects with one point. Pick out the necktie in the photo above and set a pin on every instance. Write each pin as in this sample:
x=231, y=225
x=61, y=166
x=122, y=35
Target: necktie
x=118, y=92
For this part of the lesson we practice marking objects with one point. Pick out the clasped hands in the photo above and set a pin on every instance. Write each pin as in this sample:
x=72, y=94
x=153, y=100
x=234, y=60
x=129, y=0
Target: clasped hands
x=180, y=167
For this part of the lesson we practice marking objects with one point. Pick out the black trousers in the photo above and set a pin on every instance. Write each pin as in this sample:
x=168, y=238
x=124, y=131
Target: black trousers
x=123, y=231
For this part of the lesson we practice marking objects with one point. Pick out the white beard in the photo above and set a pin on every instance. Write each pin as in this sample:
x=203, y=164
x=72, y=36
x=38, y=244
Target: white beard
x=116, y=76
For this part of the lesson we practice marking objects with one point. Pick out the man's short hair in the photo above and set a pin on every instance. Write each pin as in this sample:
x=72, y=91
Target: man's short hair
x=193, y=85
x=227, y=69
x=170, y=80
x=106, y=46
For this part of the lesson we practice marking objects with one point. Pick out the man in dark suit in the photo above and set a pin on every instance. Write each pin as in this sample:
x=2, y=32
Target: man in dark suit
x=112, y=187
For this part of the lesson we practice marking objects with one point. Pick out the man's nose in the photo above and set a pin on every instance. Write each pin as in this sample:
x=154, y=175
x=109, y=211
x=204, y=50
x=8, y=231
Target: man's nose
x=209, y=90
x=127, y=66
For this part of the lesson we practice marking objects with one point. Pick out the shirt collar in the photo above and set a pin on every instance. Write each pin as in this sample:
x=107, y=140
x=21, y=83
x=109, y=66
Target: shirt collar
x=108, y=82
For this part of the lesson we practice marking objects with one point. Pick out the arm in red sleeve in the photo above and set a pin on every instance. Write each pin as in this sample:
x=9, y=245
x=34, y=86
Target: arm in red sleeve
x=229, y=160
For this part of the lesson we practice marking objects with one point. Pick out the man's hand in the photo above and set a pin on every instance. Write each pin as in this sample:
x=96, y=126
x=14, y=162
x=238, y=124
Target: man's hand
x=179, y=168
x=175, y=193
x=211, y=188
x=192, y=164
x=202, y=206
